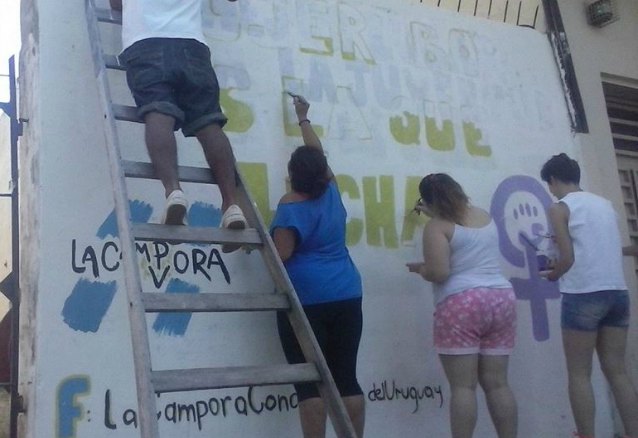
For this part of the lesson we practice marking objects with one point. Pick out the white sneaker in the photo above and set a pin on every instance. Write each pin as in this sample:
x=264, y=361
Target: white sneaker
x=233, y=219
x=176, y=207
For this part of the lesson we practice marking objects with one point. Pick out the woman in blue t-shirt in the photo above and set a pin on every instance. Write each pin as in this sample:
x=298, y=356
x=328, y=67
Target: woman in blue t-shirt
x=309, y=232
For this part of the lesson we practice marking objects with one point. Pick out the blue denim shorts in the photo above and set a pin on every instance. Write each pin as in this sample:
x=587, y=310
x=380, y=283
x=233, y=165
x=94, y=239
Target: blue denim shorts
x=592, y=310
x=174, y=76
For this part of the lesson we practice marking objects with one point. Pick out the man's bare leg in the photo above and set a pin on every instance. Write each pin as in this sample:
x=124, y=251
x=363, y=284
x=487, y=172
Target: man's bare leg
x=220, y=158
x=162, y=150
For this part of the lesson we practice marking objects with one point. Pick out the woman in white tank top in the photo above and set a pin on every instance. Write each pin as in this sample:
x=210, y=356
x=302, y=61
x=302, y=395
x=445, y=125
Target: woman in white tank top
x=595, y=302
x=475, y=317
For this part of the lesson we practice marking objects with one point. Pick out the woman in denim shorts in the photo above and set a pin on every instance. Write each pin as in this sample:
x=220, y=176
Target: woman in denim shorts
x=475, y=317
x=595, y=302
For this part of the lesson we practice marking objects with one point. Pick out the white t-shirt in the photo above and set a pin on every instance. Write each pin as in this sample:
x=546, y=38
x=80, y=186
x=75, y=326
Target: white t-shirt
x=474, y=262
x=593, y=227
x=144, y=19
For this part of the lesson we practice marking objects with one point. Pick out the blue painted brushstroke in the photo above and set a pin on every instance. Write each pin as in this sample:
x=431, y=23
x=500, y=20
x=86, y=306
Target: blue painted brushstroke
x=175, y=324
x=140, y=213
x=89, y=301
x=204, y=215
x=85, y=308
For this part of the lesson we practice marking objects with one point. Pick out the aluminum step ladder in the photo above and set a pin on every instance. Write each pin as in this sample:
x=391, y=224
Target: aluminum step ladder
x=150, y=382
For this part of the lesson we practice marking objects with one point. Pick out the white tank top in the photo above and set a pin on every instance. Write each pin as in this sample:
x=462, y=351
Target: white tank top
x=474, y=262
x=144, y=19
x=593, y=227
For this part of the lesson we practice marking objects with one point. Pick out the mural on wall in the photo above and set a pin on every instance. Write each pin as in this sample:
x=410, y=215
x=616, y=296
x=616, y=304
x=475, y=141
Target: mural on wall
x=518, y=208
x=91, y=297
x=74, y=389
x=350, y=58
x=397, y=92
x=250, y=401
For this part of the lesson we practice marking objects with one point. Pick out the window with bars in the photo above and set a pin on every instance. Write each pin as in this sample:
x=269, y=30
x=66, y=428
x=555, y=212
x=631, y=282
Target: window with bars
x=622, y=109
x=628, y=188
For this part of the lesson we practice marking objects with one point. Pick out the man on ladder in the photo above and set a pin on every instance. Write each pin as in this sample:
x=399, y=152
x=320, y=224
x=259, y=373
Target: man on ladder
x=174, y=85
x=169, y=72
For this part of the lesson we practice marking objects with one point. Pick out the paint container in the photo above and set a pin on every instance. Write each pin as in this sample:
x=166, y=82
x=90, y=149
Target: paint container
x=546, y=258
x=544, y=262
x=546, y=255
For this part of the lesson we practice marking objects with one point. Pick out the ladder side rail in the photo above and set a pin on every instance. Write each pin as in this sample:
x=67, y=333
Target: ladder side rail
x=139, y=334
x=305, y=336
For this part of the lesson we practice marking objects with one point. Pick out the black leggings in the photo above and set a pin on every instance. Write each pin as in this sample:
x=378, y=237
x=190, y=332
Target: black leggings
x=337, y=327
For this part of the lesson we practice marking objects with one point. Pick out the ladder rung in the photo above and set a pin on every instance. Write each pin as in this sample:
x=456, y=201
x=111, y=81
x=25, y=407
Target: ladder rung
x=113, y=62
x=138, y=169
x=232, y=377
x=185, y=234
x=126, y=113
x=108, y=15
x=213, y=302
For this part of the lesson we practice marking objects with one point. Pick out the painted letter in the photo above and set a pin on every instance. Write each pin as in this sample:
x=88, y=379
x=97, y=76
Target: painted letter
x=351, y=25
x=354, y=227
x=406, y=129
x=108, y=422
x=410, y=219
x=256, y=179
x=76, y=269
x=69, y=410
x=379, y=211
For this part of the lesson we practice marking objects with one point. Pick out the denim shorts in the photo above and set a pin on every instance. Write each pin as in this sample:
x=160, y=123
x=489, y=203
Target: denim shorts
x=592, y=310
x=174, y=76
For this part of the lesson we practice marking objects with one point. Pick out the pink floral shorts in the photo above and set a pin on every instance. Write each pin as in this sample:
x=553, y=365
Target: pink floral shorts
x=479, y=320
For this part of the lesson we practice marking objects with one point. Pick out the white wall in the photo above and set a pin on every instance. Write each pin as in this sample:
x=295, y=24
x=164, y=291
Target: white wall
x=398, y=91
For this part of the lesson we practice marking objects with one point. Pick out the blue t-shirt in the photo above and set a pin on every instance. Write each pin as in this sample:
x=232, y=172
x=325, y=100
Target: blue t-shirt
x=320, y=267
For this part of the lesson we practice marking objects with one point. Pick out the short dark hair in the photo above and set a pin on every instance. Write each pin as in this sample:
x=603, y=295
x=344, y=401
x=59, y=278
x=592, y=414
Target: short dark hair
x=446, y=195
x=308, y=169
x=562, y=168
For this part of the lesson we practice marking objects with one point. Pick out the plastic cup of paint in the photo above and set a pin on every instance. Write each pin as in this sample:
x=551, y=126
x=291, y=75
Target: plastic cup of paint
x=543, y=261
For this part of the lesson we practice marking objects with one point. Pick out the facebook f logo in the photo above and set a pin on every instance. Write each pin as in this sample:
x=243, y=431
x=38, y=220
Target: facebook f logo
x=69, y=410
